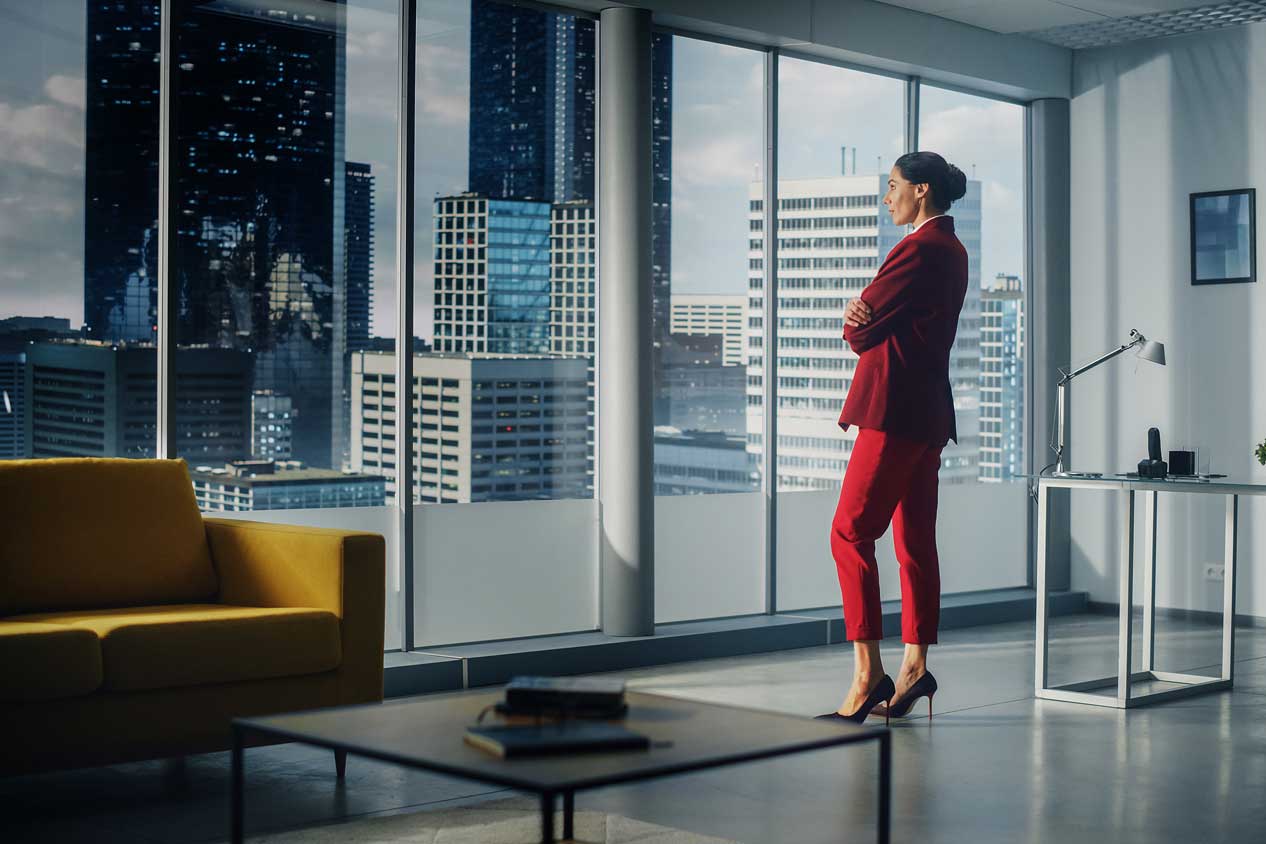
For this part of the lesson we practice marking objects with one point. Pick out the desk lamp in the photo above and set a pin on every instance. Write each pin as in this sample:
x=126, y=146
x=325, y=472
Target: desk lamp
x=1147, y=350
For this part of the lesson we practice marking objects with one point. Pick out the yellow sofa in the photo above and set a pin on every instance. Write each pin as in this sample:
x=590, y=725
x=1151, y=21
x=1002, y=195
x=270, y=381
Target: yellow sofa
x=133, y=628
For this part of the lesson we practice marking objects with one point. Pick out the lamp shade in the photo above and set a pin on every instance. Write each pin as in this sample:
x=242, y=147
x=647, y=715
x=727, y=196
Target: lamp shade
x=1153, y=351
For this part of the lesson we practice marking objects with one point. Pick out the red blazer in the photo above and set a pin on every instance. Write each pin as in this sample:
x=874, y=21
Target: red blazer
x=901, y=384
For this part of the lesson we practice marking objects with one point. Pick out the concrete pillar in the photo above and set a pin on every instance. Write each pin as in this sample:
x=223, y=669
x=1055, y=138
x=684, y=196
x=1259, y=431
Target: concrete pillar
x=626, y=501
x=1050, y=314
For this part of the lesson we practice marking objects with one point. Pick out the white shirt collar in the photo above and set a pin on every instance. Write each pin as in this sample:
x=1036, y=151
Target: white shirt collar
x=928, y=220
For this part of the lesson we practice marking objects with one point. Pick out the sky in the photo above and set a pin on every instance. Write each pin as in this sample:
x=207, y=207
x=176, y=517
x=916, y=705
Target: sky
x=717, y=140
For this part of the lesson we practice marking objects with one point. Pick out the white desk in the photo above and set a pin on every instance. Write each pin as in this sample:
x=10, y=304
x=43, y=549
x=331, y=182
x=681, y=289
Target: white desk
x=1126, y=488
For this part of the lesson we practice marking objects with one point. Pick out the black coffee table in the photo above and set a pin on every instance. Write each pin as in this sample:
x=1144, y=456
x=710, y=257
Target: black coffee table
x=686, y=736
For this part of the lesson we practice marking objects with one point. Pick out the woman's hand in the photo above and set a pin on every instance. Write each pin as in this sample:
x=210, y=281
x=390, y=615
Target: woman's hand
x=857, y=313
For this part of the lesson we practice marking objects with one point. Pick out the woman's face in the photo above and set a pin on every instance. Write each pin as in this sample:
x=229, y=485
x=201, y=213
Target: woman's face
x=903, y=198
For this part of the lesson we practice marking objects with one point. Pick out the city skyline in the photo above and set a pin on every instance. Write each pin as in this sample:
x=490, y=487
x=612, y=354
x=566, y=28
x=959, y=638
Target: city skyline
x=42, y=143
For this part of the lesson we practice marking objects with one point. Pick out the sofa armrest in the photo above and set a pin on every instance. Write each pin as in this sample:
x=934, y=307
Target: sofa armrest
x=270, y=565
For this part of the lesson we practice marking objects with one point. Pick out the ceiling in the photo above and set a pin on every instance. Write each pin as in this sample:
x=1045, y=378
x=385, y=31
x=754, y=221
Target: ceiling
x=1092, y=23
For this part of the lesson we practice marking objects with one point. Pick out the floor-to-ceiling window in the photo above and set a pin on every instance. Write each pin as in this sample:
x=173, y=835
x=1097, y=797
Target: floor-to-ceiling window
x=78, y=205
x=708, y=151
x=283, y=149
x=984, y=513
x=839, y=132
x=503, y=423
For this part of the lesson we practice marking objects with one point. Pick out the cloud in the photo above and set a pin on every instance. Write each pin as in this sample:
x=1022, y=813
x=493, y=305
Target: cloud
x=42, y=201
x=444, y=83
x=46, y=136
x=822, y=108
x=981, y=132
x=41, y=239
x=67, y=90
x=728, y=158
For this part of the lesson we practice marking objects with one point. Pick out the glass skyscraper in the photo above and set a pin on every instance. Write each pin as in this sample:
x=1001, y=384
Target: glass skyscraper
x=257, y=195
x=492, y=275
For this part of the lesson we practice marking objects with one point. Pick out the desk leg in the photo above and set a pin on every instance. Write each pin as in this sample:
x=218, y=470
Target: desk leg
x=547, y=818
x=235, y=794
x=1228, y=587
x=1039, y=669
x=885, y=786
x=1149, y=580
x=1124, y=638
x=569, y=812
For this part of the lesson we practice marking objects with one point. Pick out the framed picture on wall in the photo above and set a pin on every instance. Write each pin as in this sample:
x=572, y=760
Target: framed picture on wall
x=1224, y=236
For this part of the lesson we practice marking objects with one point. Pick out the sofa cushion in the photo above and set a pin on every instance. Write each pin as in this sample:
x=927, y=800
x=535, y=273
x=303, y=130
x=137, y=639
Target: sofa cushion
x=47, y=661
x=89, y=532
x=195, y=644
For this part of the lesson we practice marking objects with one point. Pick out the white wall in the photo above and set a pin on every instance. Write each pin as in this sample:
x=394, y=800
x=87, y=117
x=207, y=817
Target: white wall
x=1151, y=123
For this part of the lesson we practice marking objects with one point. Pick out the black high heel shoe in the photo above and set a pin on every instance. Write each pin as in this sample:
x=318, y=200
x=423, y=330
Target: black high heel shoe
x=883, y=691
x=925, y=686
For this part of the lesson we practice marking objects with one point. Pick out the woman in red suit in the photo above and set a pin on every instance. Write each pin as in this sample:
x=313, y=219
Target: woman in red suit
x=902, y=328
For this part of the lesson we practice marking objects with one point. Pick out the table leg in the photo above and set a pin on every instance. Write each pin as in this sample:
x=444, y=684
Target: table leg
x=1228, y=587
x=235, y=794
x=1149, y=580
x=1124, y=637
x=885, y=786
x=569, y=811
x=1039, y=670
x=547, y=818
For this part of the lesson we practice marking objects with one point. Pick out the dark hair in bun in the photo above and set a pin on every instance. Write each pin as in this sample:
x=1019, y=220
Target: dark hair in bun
x=946, y=183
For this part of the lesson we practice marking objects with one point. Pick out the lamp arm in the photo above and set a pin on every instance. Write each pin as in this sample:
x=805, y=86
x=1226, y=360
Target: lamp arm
x=1109, y=356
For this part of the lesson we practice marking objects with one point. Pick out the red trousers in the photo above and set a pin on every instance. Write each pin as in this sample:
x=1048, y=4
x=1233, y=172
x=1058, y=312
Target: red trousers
x=889, y=479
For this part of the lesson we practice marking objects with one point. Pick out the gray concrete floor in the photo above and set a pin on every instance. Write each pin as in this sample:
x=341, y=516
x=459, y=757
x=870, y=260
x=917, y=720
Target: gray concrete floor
x=994, y=765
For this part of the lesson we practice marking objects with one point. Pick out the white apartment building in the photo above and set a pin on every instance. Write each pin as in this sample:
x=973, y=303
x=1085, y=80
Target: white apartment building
x=698, y=313
x=486, y=427
x=832, y=237
x=1002, y=340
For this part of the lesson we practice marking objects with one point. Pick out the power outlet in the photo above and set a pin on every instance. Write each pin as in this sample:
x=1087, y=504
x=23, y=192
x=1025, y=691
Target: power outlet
x=1214, y=571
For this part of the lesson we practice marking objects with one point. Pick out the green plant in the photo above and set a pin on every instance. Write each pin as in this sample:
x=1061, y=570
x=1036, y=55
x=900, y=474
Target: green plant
x=1261, y=452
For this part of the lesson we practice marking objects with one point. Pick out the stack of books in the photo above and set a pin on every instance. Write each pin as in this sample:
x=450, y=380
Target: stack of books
x=595, y=699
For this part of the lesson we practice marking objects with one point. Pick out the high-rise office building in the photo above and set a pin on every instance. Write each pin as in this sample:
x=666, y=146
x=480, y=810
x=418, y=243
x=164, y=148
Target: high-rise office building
x=272, y=424
x=91, y=399
x=258, y=193
x=832, y=238
x=16, y=335
x=12, y=401
x=358, y=254
x=532, y=108
x=492, y=275
x=488, y=427
x=249, y=485
x=712, y=314
x=1002, y=338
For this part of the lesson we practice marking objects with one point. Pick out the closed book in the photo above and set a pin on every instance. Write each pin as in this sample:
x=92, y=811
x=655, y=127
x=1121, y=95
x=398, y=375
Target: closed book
x=590, y=693
x=510, y=742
